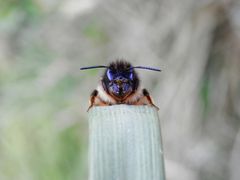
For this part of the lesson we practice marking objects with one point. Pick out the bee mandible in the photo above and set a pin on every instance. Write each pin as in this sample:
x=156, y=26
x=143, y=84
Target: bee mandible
x=120, y=84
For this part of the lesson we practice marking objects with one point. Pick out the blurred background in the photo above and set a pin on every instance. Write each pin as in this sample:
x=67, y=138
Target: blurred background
x=44, y=96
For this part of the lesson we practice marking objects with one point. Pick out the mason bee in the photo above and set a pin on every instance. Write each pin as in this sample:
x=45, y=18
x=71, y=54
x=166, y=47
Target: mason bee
x=120, y=84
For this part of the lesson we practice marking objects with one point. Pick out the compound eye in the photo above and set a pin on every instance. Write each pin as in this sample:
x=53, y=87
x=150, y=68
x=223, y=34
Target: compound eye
x=110, y=74
x=131, y=75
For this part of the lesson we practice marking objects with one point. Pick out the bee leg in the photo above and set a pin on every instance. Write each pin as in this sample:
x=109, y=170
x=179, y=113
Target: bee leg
x=92, y=99
x=149, y=99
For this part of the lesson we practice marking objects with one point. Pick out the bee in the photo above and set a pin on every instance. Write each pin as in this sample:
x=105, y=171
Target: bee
x=120, y=84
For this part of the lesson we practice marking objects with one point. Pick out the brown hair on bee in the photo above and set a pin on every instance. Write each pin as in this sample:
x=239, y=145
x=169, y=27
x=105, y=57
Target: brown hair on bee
x=120, y=85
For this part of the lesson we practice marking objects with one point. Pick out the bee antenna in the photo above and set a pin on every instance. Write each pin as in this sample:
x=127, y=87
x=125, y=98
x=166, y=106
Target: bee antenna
x=148, y=68
x=93, y=67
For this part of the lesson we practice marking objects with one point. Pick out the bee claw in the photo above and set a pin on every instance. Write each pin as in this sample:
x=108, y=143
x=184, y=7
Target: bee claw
x=89, y=108
x=155, y=106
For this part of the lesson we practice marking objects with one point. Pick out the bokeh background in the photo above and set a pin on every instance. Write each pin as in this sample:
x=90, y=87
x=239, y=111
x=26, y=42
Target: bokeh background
x=44, y=96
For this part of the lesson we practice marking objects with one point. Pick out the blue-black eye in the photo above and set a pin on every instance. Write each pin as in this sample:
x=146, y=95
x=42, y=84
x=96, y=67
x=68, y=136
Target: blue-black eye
x=131, y=75
x=110, y=74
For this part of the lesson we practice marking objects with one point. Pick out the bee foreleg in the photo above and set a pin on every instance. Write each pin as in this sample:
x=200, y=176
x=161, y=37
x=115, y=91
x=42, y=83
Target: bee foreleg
x=148, y=97
x=92, y=98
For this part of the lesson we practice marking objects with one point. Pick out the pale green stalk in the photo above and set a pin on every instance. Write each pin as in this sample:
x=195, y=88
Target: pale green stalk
x=125, y=143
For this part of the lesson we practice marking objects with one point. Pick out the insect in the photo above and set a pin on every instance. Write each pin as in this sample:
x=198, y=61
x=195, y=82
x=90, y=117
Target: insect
x=120, y=84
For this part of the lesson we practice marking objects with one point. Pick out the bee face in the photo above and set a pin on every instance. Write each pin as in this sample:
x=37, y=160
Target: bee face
x=120, y=80
x=120, y=86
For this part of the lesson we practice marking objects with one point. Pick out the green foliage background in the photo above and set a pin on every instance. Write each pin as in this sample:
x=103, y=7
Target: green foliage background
x=33, y=143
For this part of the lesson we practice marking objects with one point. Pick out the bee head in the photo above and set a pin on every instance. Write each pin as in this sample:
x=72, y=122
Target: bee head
x=120, y=79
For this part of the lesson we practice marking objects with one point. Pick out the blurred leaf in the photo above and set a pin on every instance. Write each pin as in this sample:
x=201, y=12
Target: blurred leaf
x=7, y=7
x=70, y=151
x=205, y=95
x=31, y=8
